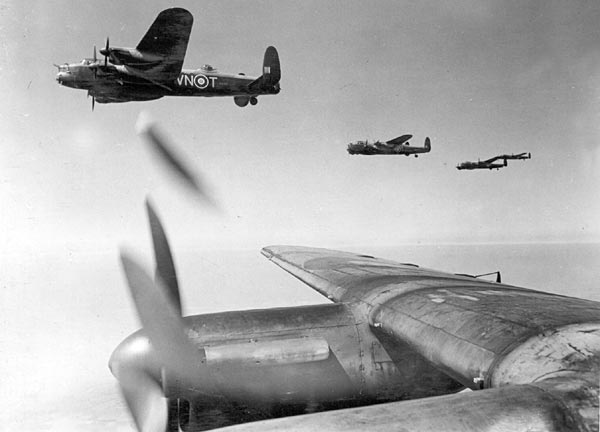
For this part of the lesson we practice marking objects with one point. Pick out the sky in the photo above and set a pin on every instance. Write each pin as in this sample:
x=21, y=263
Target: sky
x=479, y=77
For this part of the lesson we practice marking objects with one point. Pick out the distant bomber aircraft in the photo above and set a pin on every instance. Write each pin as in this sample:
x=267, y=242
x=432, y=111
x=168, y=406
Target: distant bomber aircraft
x=397, y=146
x=154, y=69
x=490, y=163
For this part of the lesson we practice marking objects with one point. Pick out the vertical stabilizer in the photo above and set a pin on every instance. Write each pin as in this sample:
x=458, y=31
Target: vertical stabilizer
x=271, y=67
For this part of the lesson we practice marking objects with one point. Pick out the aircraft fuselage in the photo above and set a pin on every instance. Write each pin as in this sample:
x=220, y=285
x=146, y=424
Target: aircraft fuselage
x=392, y=147
x=111, y=86
x=378, y=148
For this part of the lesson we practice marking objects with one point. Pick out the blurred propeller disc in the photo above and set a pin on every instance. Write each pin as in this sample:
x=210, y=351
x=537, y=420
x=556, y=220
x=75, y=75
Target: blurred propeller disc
x=150, y=132
x=145, y=400
x=165, y=266
x=163, y=324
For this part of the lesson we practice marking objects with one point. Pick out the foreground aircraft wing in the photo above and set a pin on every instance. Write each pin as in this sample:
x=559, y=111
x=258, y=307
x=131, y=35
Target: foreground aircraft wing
x=399, y=140
x=167, y=39
x=483, y=334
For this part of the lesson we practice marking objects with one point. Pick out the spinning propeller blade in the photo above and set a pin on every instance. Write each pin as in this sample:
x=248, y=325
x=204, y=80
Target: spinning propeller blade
x=93, y=99
x=145, y=400
x=170, y=349
x=106, y=52
x=149, y=130
x=165, y=267
x=95, y=65
x=180, y=360
x=162, y=323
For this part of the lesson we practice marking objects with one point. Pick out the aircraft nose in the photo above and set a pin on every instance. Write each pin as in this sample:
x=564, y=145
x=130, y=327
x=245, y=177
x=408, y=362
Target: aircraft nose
x=63, y=77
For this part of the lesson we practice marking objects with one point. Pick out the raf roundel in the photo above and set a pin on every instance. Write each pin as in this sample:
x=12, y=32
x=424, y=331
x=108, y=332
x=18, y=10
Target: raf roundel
x=200, y=81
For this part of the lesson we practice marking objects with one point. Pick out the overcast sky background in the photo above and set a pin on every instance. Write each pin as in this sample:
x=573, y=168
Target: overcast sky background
x=479, y=77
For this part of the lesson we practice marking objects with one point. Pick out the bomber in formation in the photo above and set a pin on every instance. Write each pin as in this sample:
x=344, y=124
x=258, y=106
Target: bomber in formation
x=401, y=146
x=491, y=163
x=396, y=146
x=153, y=69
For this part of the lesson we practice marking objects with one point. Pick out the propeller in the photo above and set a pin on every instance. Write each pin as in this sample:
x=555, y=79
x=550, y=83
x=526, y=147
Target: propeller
x=145, y=400
x=95, y=65
x=170, y=350
x=165, y=267
x=149, y=131
x=93, y=99
x=162, y=323
x=106, y=52
x=180, y=360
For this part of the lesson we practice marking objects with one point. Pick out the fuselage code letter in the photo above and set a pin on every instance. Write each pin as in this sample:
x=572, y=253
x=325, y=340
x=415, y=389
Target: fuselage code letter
x=199, y=81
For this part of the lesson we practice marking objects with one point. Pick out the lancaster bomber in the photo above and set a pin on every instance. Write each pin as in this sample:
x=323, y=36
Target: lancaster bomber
x=396, y=146
x=491, y=163
x=426, y=350
x=153, y=69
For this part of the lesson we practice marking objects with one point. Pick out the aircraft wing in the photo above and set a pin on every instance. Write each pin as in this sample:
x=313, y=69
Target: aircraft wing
x=524, y=155
x=482, y=334
x=494, y=159
x=399, y=140
x=167, y=39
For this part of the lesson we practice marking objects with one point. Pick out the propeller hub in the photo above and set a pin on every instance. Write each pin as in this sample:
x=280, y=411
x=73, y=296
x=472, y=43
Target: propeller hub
x=134, y=353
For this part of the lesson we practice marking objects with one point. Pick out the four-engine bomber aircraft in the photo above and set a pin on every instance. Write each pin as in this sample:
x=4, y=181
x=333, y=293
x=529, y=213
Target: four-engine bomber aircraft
x=490, y=163
x=396, y=146
x=154, y=69
x=394, y=332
